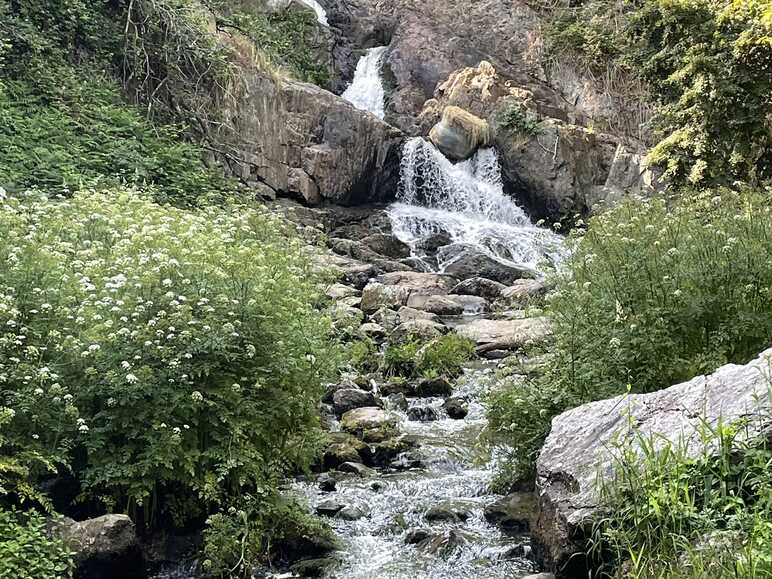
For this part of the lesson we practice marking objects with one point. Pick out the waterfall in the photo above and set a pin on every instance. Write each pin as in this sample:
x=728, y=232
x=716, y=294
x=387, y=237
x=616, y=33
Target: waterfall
x=321, y=14
x=366, y=90
x=466, y=202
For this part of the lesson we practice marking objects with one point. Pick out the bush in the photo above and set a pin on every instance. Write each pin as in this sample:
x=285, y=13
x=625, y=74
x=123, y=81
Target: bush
x=674, y=515
x=653, y=295
x=28, y=552
x=177, y=354
x=440, y=357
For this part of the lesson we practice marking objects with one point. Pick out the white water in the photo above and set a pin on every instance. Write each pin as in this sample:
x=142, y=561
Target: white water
x=366, y=90
x=467, y=202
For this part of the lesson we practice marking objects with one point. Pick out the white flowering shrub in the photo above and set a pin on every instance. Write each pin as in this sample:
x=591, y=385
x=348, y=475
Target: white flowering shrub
x=178, y=355
x=655, y=294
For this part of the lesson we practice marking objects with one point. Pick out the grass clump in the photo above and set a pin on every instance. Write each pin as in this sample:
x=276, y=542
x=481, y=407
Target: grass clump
x=672, y=513
x=171, y=361
x=441, y=357
x=515, y=118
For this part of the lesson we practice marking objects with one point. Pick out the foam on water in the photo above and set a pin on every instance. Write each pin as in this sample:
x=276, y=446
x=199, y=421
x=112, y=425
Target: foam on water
x=467, y=202
x=366, y=90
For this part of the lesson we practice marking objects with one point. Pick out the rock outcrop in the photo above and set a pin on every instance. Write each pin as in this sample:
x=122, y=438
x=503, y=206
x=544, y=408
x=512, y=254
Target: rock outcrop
x=302, y=141
x=459, y=133
x=579, y=446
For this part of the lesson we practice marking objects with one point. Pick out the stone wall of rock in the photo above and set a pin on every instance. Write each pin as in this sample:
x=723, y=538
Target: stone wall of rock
x=578, y=447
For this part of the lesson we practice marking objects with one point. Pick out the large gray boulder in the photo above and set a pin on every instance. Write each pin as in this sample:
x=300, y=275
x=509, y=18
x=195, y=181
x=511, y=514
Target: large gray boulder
x=465, y=262
x=459, y=133
x=506, y=334
x=302, y=141
x=393, y=290
x=579, y=446
x=106, y=546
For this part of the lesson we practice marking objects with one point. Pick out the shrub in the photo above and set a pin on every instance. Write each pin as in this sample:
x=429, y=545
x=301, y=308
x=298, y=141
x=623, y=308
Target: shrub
x=514, y=117
x=443, y=356
x=672, y=514
x=27, y=551
x=177, y=354
x=653, y=295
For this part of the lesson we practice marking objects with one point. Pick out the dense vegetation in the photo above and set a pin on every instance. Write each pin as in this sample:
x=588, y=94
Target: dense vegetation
x=706, y=64
x=154, y=357
x=674, y=514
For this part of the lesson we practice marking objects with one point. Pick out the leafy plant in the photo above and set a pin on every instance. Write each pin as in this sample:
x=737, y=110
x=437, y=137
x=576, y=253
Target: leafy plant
x=673, y=514
x=29, y=551
x=440, y=357
x=514, y=117
x=178, y=354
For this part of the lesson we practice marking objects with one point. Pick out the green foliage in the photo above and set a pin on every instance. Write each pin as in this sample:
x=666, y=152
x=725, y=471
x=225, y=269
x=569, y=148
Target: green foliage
x=179, y=353
x=672, y=514
x=84, y=135
x=650, y=296
x=440, y=357
x=286, y=38
x=708, y=66
x=27, y=551
x=653, y=295
x=514, y=117
x=363, y=355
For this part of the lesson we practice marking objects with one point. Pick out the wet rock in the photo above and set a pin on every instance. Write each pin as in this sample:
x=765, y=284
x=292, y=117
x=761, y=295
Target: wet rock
x=440, y=305
x=407, y=461
x=431, y=243
x=329, y=508
x=431, y=387
x=579, y=445
x=397, y=387
x=102, y=547
x=448, y=511
x=459, y=133
x=374, y=331
x=471, y=305
x=496, y=354
x=479, y=286
x=377, y=486
x=422, y=330
x=523, y=292
x=540, y=576
x=506, y=334
x=296, y=543
x=344, y=448
x=466, y=262
x=385, y=452
x=417, y=282
x=387, y=245
x=356, y=468
x=423, y=413
x=444, y=544
x=350, y=513
x=513, y=512
x=313, y=567
x=350, y=398
x=397, y=401
x=415, y=536
x=358, y=250
x=326, y=482
x=407, y=314
x=377, y=295
x=457, y=408
x=370, y=424
x=330, y=390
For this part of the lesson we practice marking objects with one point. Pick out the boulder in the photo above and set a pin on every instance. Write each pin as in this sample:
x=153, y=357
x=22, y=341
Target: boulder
x=349, y=398
x=457, y=408
x=444, y=544
x=465, y=262
x=513, y=512
x=506, y=334
x=407, y=314
x=523, y=292
x=377, y=295
x=418, y=329
x=344, y=448
x=386, y=318
x=329, y=508
x=459, y=133
x=415, y=536
x=387, y=245
x=433, y=387
x=448, y=511
x=106, y=546
x=369, y=424
x=313, y=567
x=580, y=444
x=372, y=330
x=397, y=401
x=350, y=513
x=338, y=291
x=423, y=413
x=326, y=483
x=439, y=305
x=479, y=286
x=385, y=452
x=356, y=468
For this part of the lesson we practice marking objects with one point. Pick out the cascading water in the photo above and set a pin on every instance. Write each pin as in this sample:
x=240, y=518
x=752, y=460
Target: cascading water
x=321, y=13
x=366, y=90
x=394, y=503
x=466, y=202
